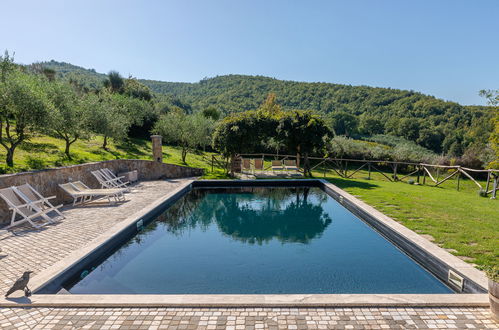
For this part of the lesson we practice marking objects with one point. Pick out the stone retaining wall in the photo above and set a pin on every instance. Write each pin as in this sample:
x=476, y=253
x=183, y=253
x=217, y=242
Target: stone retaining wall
x=46, y=181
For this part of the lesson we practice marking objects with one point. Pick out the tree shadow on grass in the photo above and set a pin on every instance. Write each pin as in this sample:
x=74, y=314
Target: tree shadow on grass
x=350, y=183
x=38, y=147
x=135, y=148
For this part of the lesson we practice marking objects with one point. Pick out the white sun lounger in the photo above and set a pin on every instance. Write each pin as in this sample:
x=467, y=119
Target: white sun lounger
x=116, y=179
x=276, y=165
x=29, y=212
x=290, y=165
x=108, y=182
x=82, y=194
x=37, y=198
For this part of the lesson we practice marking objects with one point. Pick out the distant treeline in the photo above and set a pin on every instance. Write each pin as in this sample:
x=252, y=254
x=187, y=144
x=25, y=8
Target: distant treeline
x=359, y=112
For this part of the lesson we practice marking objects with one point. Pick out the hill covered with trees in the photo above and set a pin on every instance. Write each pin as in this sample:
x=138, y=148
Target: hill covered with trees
x=353, y=111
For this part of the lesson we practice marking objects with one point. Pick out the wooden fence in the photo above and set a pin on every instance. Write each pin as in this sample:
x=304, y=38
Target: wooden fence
x=436, y=174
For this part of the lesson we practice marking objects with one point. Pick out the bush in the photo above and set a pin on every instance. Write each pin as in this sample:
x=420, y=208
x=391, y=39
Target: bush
x=381, y=147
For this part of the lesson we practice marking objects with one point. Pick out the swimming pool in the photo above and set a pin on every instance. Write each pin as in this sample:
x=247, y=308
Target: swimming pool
x=255, y=240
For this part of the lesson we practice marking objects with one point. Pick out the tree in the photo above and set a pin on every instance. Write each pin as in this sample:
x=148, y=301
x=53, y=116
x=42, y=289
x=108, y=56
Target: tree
x=303, y=132
x=431, y=138
x=23, y=105
x=343, y=123
x=370, y=125
x=112, y=115
x=188, y=131
x=241, y=133
x=409, y=128
x=270, y=106
x=114, y=82
x=493, y=99
x=68, y=120
x=133, y=88
x=211, y=112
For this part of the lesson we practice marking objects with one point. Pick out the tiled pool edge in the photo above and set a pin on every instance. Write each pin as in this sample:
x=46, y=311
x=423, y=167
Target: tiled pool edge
x=260, y=300
x=296, y=300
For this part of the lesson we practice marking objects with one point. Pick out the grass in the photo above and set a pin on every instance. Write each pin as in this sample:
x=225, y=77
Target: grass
x=460, y=221
x=45, y=152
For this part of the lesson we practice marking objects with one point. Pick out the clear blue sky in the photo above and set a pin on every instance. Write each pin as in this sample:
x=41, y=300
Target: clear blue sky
x=449, y=49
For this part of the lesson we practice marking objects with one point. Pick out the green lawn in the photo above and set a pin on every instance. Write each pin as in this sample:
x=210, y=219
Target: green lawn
x=461, y=221
x=45, y=152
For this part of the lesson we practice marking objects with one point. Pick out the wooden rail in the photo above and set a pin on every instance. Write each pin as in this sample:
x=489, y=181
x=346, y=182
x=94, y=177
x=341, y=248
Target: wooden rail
x=341, y=166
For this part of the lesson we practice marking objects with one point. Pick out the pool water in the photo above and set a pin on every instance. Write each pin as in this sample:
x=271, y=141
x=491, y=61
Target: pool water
x=257, y=240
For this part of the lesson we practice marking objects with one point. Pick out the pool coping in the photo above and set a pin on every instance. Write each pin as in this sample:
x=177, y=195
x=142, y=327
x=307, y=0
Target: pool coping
x=60, y=268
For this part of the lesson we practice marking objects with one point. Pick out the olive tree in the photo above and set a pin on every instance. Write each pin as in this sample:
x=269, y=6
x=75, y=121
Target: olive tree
x=187, y=131
x=112, y=115
x=23, y=105
x=68, y=119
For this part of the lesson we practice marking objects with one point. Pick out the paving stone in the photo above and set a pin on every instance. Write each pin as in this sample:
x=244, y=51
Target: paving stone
x=36, y=250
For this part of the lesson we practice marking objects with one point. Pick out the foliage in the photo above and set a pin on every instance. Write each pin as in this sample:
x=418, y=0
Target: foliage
x=343, y=123
x=443, y=127
x=112, y=115
x=187, y=131
x=211, y=112
x=369, y=125
x=114, y=82
x=303, y=132
x=492, y=272
x=69, y=118
x=133, y=88
x=240, y=133
x=380, y=147
x=23, y=105
x=296, y=131
x=493, y=99
x=270, y=108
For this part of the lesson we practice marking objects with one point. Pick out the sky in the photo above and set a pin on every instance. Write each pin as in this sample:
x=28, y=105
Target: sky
x=445, y=48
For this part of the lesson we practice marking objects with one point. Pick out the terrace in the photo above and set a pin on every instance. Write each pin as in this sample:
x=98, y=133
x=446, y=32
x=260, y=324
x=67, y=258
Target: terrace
x=48, y=251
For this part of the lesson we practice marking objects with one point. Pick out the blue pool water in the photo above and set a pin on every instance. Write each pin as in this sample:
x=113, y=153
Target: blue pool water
x=257, y=240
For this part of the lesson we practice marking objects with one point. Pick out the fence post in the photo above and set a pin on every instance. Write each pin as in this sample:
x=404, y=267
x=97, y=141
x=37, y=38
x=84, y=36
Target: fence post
x=369, y=170
x=419, y=170
x=458, y=178
x=487, y=186
x=494, y=188
x=395, y=172
x=424, y=176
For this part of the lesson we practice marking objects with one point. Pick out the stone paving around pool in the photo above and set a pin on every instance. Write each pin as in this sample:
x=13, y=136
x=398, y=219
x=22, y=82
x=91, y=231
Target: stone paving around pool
x=28, y=249
x=246, y=318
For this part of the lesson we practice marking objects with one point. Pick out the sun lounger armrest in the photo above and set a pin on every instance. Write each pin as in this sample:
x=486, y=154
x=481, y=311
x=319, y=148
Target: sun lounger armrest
x=19, y=206
x=114, y=179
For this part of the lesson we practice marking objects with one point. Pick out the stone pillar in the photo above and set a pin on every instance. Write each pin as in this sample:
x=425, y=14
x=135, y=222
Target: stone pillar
x=157, y=148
